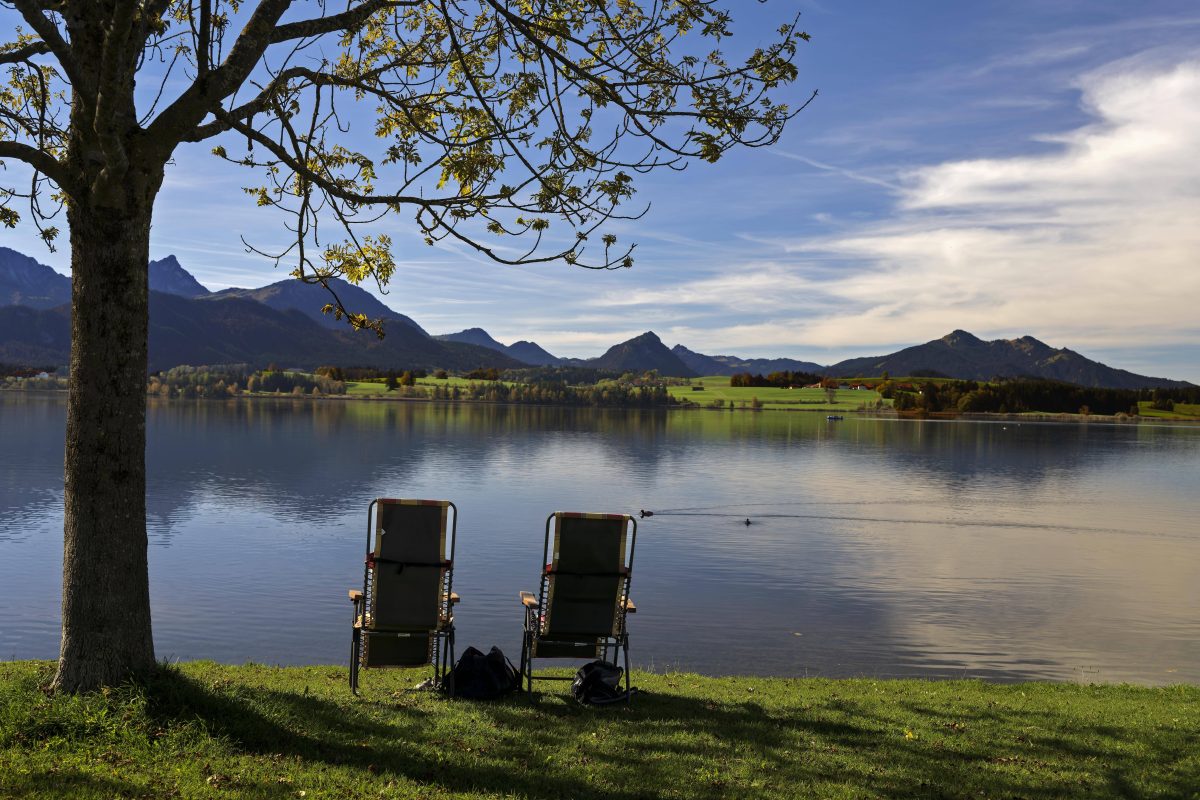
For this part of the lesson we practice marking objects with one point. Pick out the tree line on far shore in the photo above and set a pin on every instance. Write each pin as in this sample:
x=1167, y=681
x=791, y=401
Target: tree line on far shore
x=780, y=380
x=230, y=380
x=1020, y=396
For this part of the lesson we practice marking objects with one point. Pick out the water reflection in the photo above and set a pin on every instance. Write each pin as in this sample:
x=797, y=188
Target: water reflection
x=876, y=547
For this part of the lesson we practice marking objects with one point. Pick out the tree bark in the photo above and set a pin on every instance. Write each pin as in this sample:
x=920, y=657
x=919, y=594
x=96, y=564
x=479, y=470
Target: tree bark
x=106, y=634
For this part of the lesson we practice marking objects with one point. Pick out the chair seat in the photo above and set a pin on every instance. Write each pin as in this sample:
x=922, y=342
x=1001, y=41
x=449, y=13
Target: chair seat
x=444, y=625
x=551, y=648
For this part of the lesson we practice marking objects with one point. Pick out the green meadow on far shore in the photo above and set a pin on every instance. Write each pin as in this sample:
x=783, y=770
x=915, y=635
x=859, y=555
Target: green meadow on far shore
x=208, y=730
x=715, y=388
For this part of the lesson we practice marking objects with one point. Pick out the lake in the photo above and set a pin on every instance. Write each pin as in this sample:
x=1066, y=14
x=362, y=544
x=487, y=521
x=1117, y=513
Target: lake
x=877, y=547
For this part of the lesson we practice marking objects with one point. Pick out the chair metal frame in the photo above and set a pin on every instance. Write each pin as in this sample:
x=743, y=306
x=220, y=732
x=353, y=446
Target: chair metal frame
x=443, y=647
x=615, y=643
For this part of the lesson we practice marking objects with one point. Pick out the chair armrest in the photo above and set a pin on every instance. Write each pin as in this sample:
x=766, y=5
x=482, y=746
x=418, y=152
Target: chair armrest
x=454, y=598
x=529, y=600
x=628, y=605
x=355, y=595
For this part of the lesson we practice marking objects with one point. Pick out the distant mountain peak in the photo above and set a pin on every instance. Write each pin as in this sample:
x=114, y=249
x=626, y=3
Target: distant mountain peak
x=168, y=275
x=1029, y=340
x=475, y=336
x=959, y=338
x=532, y=353
x=640, y=354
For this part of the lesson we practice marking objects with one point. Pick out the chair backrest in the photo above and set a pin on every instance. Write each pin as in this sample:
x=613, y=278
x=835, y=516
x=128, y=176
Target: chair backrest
x=409, y=567
x=591, y=560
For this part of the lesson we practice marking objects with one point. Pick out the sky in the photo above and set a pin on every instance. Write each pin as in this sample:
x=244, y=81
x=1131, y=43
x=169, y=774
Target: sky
x=1019, y=167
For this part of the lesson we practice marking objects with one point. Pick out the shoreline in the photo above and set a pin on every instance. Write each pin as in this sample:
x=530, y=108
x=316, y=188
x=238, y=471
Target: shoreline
x=943, y=416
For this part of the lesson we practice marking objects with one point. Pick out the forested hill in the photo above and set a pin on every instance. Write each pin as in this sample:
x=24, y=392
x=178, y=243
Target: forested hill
x=962, y=355
x=639, y=354
x=309, y=299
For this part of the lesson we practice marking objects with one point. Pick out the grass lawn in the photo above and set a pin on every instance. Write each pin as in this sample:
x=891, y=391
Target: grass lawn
x=717, y=388
x=365, y=389
x=369, y=388
x=1182, y=411
x=206, y=730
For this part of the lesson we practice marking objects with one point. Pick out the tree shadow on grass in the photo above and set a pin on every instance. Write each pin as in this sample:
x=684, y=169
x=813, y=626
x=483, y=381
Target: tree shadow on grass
x=70, y=783
x=550, y=748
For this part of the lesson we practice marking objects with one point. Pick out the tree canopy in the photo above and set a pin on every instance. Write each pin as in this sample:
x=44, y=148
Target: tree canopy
x=513, y=127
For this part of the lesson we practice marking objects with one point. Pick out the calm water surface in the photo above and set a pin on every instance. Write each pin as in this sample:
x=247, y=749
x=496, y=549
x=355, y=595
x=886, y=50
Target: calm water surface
x=877, y=547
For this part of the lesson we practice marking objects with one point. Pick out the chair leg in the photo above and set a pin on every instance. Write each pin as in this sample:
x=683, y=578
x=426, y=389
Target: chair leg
x=443, y=652
x=525, y=668
x=355, y=647
x=628, y=696
x=529, y=665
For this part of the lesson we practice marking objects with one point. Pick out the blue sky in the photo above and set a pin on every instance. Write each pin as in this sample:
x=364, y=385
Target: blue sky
x=1008, y=168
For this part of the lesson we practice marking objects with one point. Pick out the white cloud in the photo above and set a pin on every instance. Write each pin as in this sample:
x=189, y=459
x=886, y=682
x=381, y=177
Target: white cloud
x=1093, y=243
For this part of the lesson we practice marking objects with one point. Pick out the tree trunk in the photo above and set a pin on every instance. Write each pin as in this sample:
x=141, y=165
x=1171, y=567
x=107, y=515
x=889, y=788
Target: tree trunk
x=106, y=635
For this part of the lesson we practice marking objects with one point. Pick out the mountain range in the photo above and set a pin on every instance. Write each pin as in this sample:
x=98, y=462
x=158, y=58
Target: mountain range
x=731, y=365
x=282, y=323
x=526, y=352
x=961, y=355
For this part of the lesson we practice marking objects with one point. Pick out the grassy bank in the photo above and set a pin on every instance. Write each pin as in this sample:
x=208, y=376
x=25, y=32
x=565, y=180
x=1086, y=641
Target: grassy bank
x=206, y=730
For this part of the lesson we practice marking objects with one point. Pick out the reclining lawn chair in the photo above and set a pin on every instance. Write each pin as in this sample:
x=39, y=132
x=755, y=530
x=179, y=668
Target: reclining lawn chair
x=583, y=599
x=404, y=614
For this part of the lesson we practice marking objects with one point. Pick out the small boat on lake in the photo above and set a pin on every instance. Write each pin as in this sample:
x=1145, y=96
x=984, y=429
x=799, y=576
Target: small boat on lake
x=834, y=417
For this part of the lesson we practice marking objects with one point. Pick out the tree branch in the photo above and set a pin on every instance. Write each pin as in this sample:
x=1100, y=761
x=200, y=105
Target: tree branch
x=206, y=93
x=263, y=30
x=204, y=38
x=111, y=63
x=329, y=186
x=42, y=162
x=336, y=22
x=24, y=53
x=53, y=40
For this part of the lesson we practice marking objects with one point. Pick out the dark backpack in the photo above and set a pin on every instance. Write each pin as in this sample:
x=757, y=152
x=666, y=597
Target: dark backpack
x=482, y=677
x=597, y=684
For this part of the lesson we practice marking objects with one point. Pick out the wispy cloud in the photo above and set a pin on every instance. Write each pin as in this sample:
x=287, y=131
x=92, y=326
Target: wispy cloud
x=1093, y=244
x=845, y=173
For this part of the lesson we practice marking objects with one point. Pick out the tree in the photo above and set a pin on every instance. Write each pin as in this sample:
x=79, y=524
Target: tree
x=511, y=128
x=391, y=382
